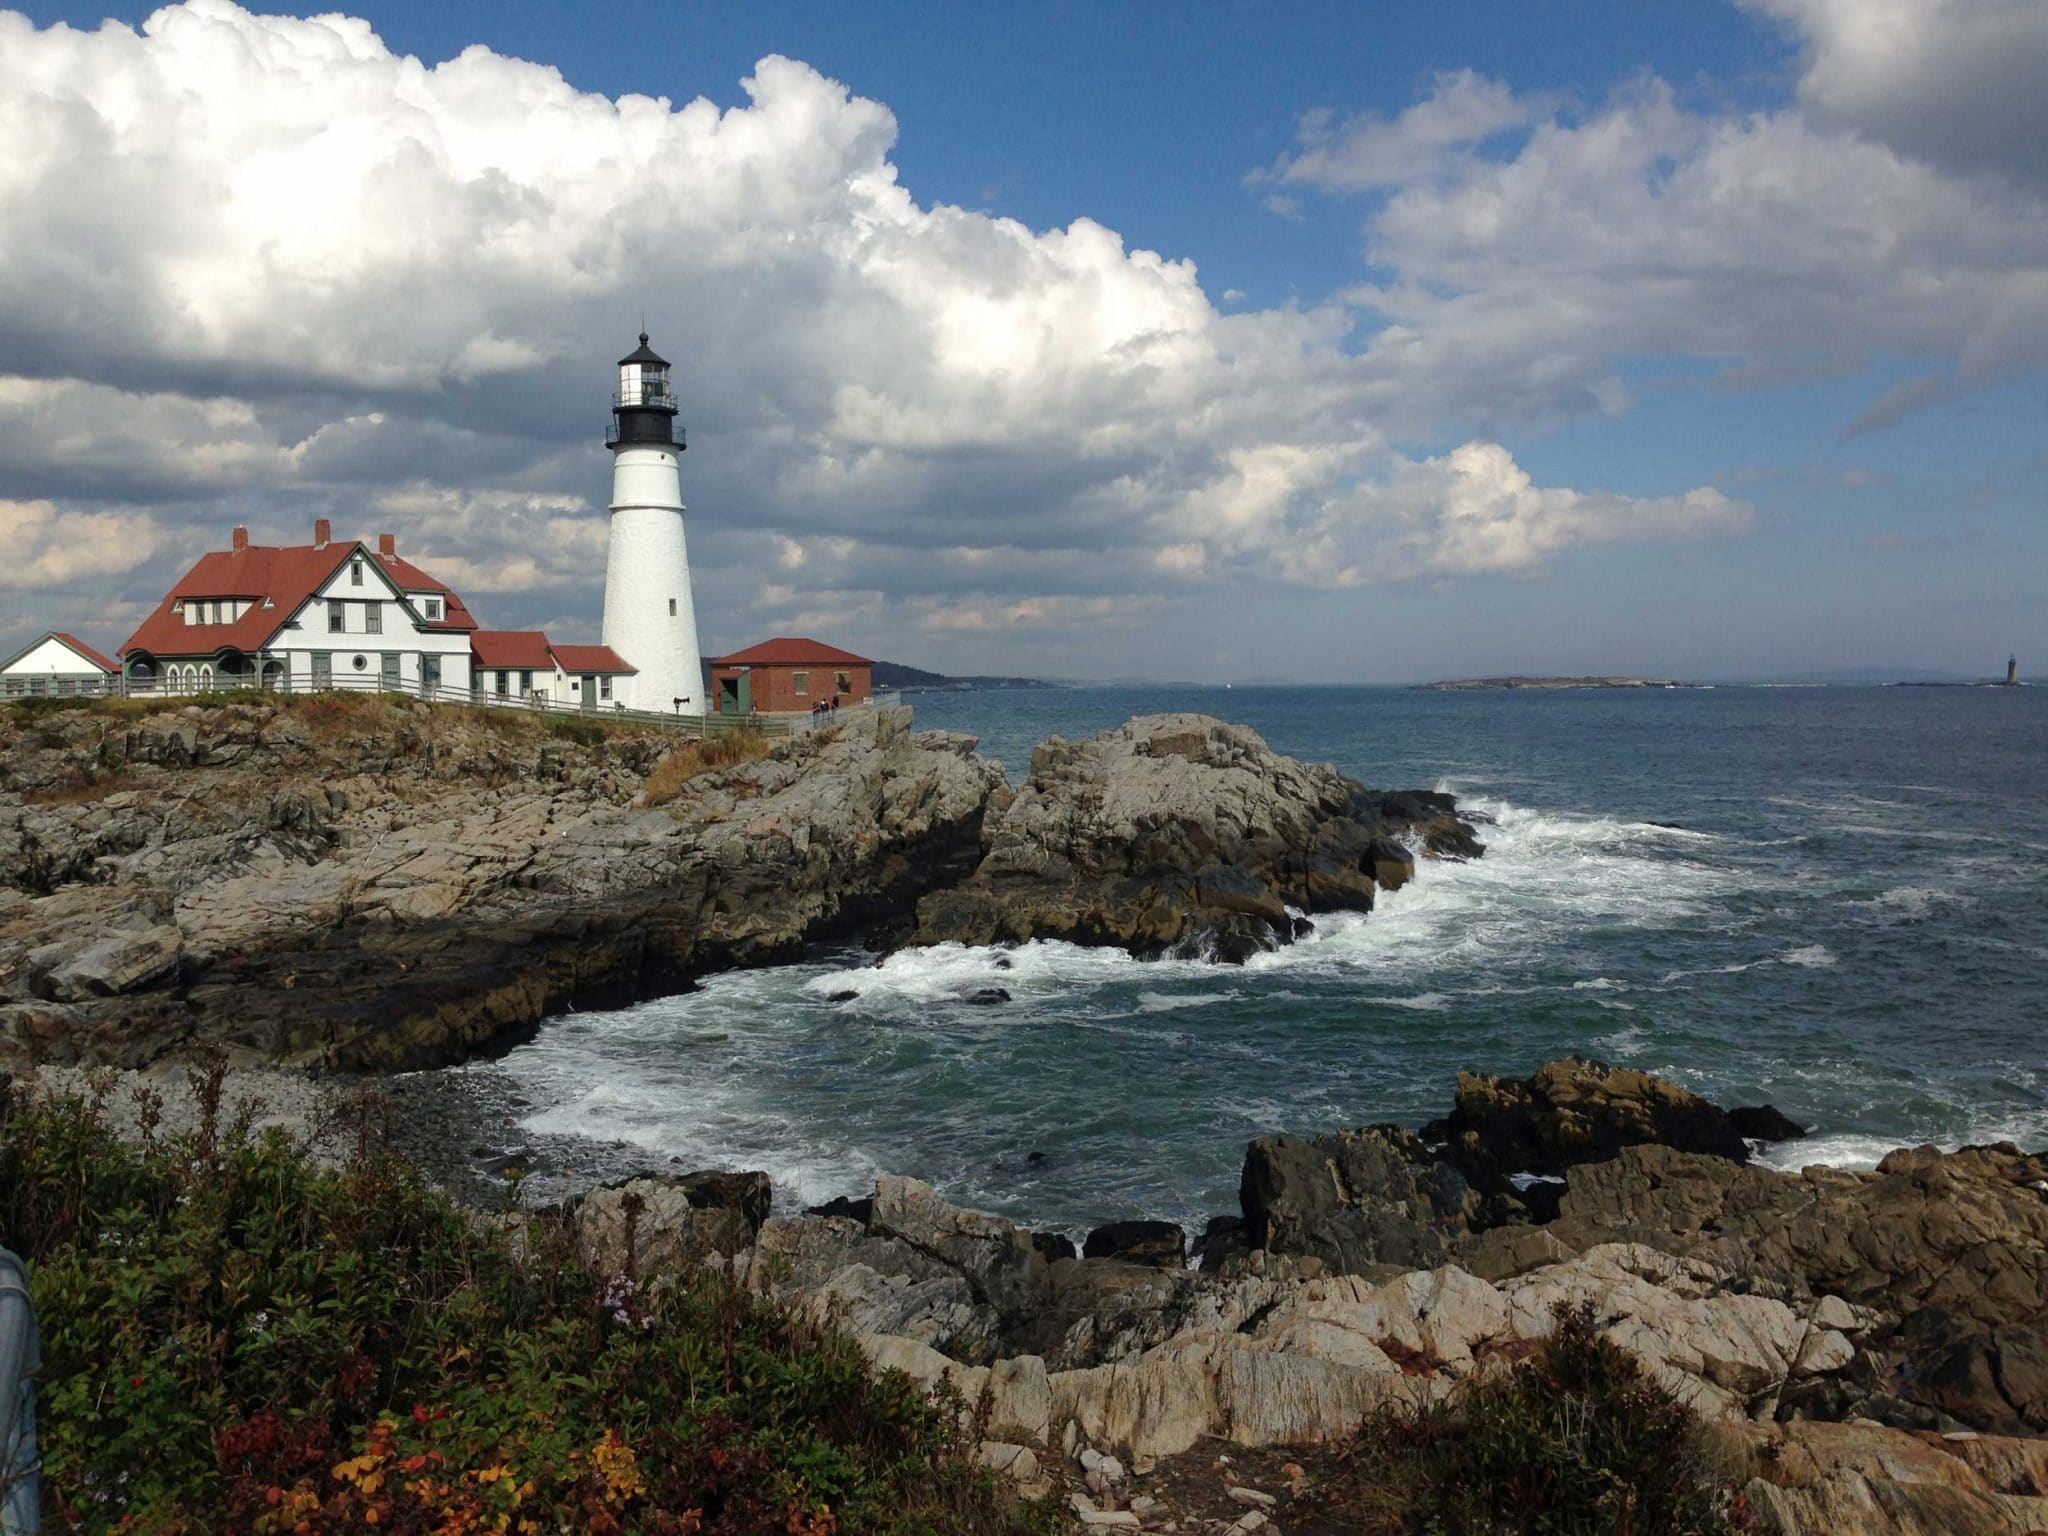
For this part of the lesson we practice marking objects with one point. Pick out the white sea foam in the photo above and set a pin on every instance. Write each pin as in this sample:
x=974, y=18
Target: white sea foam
x=1174, y=1002
x=1810, y=956
x=1910, y=903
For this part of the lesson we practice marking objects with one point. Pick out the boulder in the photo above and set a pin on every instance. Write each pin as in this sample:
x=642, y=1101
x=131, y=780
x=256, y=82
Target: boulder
x=1161, y=1244
x=1577, y=1111
x=661, y=1226
x=1001, y=1265
x=1357, y=1200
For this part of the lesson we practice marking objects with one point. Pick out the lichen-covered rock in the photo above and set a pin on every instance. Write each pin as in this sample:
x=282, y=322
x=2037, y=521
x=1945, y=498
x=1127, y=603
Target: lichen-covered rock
x=1181, y=833
x=666, y=1224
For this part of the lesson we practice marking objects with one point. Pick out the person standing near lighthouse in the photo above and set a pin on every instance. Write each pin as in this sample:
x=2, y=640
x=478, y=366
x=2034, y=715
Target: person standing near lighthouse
x=649, y=618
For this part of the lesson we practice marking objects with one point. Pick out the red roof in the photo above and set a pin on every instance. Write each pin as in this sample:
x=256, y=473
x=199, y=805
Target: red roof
x=278, y=579
x=411, y=578
x=104, y=663
x=591, y=658
x=284, y=574
x=791, y=651
x=512, y=648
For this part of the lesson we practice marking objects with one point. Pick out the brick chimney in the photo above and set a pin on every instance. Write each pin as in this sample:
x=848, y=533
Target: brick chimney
x=323, y=532
x=387, y=545
x=241, y=539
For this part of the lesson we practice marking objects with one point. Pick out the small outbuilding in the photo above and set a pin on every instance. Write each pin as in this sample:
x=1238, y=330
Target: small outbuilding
x=789, y=675
x=56, y=663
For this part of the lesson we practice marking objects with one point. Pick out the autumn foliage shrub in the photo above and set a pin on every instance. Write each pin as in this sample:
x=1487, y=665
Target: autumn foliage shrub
x=238, y=1339
x=1574, y=1441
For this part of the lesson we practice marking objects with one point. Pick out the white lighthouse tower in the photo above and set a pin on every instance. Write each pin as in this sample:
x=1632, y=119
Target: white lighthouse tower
x=648, y=616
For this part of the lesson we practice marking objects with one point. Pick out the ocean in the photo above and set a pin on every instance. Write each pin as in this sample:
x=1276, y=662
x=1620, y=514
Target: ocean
x=1831, y=899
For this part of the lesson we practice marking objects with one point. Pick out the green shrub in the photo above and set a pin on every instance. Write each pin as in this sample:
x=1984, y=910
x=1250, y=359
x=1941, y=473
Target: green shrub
x=238, y=1339
x=1574, y=1441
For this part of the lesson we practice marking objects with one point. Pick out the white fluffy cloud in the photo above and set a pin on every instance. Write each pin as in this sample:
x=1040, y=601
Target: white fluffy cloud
x=310, y=277
x=49, y=548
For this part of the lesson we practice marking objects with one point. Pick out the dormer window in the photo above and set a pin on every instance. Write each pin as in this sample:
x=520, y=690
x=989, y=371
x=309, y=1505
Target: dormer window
x=431, y=607
x=355, y=572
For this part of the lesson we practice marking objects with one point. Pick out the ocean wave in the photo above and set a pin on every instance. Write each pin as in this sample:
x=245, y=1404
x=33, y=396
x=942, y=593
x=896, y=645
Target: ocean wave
x=1810, y=956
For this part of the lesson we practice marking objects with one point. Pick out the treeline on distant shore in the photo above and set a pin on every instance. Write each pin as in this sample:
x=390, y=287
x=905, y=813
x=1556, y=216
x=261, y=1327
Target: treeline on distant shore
x=894, y=674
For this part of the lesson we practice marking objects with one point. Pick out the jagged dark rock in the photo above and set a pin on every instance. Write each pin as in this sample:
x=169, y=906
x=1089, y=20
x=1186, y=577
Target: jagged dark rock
x=1160, y=1244
x=1181, y=834
x=1575, y=1111
x=1357, y=1200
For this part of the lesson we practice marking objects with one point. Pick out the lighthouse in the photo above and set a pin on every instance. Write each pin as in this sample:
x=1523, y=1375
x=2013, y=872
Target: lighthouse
x=648, y=616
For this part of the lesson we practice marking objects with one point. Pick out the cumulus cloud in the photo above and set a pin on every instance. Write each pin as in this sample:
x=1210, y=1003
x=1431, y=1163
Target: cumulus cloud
x=51, y=548
x=1958, y=83
x=261, y=269
x=1768, y=243
x=1356, y=154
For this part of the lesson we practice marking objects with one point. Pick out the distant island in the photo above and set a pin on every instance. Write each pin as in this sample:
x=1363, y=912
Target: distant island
x=1462, y=683
x=895, y=675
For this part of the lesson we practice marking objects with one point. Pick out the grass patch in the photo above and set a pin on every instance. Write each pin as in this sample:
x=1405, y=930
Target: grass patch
x=700, y=756
x=1574, y=1441
x=236, y=1339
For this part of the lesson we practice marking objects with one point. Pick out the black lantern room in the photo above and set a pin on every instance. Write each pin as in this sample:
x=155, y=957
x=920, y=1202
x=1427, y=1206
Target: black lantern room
x=644, y=409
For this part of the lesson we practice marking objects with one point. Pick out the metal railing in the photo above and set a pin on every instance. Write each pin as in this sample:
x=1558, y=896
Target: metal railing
x=655, y=397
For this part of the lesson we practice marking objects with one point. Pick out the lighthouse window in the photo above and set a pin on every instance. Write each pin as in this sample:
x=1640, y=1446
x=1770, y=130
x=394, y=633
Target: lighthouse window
x=671, y=607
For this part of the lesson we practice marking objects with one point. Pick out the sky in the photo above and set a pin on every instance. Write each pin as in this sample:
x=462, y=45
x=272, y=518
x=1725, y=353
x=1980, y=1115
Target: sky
x=1201, y=343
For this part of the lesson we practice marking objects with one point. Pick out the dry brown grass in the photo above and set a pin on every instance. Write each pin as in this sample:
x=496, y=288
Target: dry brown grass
x=82, y=791
x=699, y=757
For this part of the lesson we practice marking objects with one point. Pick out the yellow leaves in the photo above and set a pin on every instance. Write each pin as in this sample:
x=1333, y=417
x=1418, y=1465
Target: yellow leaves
x=620, y=1468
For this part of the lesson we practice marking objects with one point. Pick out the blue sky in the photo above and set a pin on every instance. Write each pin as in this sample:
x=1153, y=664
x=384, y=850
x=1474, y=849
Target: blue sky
x=1698, y=339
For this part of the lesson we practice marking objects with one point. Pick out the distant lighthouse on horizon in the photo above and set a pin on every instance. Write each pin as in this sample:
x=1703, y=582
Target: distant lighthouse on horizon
x=2012, y=670
x=649, y=617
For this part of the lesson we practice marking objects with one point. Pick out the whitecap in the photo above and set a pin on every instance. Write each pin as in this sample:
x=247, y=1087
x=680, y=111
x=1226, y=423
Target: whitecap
x=1810, y=956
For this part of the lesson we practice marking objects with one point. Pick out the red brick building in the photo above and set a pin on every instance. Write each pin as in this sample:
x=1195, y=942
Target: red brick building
x=789, y=676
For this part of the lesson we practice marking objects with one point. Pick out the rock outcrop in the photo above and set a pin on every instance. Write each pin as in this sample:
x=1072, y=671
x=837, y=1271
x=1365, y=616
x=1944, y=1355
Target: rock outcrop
x=1357, y=1201
x=1181, y=834
x=1946, y=1253
x=373, y=882
x=1576, y=1111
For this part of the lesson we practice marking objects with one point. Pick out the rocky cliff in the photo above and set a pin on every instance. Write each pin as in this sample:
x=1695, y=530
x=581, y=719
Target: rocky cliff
x=373, y=882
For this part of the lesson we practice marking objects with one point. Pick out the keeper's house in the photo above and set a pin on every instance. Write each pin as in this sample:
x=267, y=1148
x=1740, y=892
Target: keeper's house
x=56, y=663
x=789, y=676
x=524, y=665
x=304, y=616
